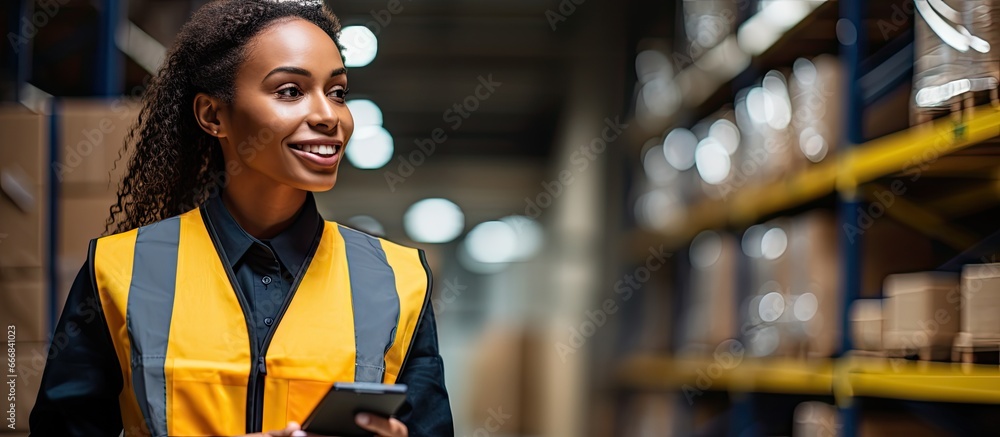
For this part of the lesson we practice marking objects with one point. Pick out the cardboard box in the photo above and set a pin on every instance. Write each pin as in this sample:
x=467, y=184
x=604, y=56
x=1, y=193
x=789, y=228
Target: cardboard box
x=649, y=414
x=496, y=369
x=813, y=314
x=770, y=272
x=816, y=419
x=866, y=324
x=22, y=230
x=980, y=301
x=816, y=90
x=80, y=220
x=29, y=362
x=23, y=182
x=710, y=317
x=24, y=303
x=25, y=141
x=920, y=311
x=92, y=135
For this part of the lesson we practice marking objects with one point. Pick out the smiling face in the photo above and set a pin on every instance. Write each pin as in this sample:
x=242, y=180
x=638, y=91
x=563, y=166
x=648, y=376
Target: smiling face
x=288, y=122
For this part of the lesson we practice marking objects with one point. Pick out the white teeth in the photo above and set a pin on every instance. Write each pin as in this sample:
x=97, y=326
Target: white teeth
x=317, y=149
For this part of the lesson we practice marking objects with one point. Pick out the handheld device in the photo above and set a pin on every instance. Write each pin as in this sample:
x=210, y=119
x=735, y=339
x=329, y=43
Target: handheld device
x=335, y=413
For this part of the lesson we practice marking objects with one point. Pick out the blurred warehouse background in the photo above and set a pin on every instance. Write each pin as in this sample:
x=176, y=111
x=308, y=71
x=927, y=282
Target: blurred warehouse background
x=644, y=218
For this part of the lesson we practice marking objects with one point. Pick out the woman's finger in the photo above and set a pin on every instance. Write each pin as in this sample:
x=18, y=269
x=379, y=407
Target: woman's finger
x=293, y=429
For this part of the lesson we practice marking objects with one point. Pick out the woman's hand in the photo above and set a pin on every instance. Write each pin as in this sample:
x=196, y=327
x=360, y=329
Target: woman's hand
x=390, y=427
x=293, y=429
x=382, y=427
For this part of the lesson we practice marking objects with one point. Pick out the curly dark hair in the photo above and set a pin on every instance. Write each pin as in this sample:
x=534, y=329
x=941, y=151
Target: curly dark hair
x=175, y=165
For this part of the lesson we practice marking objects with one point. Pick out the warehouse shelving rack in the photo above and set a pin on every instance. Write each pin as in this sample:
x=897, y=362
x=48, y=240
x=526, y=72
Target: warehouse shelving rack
x=845, y=174
x=849, y=177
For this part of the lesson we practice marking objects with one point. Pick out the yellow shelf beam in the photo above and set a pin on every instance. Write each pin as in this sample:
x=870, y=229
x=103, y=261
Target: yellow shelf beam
x=907, y=151
x=728, y=374
x=916, y=147
x=657, y=372
x=852, y=377
x=784, y=376
x=754, y=202
x=924, y=381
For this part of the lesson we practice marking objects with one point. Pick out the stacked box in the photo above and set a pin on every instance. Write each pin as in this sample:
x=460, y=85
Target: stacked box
x=720, y=133
x=955, y=53
x=650, y=414
x=710, y=315
x=866, y=324
x=24, y=303
x=708, y=22
x=816, y=419
x=921, y=314
x=937, y=63
x=24, y=182
x=982, y=17
x=817, y=104
x=980, y=301
x=813, y=312
x=767, y=245
x=23, y=211
x=93, y=133
x=764, y=114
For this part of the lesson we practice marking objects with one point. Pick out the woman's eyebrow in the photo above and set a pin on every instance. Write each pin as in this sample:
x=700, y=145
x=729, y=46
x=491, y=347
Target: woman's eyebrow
x=302, y=71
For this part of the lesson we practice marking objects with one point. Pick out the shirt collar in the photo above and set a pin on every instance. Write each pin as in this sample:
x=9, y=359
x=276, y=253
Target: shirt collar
x=291, y=245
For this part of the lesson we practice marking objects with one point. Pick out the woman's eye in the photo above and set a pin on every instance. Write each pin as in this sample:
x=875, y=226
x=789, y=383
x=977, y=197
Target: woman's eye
x=339, y=93
x=290, y=92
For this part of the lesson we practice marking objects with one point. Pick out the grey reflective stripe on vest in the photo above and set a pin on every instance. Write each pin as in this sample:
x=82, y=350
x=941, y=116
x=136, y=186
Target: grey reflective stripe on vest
x=150, y=303
x=375, y=303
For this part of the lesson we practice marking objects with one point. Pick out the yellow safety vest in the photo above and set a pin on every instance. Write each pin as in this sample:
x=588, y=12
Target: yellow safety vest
x=183, y=342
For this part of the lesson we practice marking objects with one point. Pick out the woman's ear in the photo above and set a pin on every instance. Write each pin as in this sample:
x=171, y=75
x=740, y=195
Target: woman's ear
x=206, y=111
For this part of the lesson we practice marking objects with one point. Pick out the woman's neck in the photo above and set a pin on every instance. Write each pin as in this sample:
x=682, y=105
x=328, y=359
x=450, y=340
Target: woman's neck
x=263, y=211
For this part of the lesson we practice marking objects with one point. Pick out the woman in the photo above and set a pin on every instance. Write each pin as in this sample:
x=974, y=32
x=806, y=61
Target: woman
x=225, y=304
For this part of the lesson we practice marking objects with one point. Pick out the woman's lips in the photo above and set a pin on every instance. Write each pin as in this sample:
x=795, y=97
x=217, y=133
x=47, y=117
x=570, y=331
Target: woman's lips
x=324, y=155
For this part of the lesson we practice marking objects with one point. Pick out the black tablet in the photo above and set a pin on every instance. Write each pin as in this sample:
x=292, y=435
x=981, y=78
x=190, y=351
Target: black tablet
x=334, y=416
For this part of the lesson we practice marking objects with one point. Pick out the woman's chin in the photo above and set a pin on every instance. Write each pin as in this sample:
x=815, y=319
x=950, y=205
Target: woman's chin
x=317, y=184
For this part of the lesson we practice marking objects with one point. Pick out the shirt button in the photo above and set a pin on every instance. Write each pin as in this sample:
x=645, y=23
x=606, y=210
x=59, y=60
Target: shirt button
x=268, y=321
x=266, y=280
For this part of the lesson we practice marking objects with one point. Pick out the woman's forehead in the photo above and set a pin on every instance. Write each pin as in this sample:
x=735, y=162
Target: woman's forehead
x=295, y=42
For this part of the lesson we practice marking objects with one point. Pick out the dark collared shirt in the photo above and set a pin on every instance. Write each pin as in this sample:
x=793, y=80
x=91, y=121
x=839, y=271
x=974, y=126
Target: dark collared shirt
x=265, y=269
x=82, y=377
